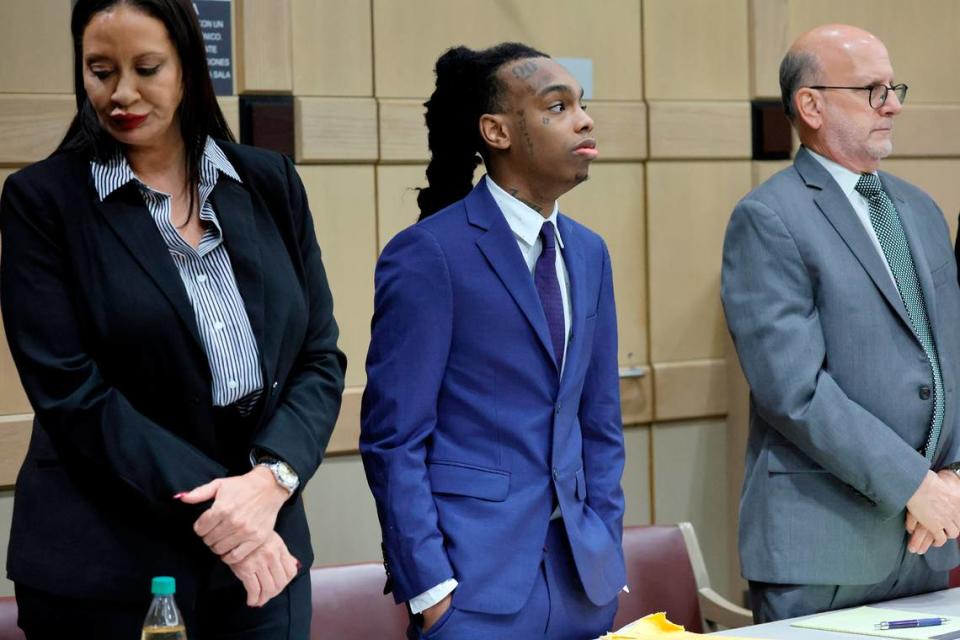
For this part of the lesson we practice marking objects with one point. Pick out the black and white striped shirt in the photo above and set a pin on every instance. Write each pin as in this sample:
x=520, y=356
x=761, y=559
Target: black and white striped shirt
x=207, y=276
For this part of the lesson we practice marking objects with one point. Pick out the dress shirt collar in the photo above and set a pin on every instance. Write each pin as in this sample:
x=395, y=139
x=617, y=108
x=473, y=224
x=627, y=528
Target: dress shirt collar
x=844, y=177
x=524, y=221
x=116, y=172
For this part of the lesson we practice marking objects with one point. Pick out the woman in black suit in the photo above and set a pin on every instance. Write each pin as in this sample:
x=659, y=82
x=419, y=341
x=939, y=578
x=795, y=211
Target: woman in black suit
x=169, y=315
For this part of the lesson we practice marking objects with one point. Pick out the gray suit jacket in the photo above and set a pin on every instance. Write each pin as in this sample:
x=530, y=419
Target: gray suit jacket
x=841, y=399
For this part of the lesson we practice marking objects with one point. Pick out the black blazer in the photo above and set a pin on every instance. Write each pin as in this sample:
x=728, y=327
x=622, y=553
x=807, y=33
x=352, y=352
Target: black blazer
x=105, y=341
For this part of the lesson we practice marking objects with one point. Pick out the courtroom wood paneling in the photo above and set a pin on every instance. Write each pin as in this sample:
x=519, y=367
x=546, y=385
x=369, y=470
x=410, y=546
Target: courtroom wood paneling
x=35, y=47
x=938, y=177
x=761, y=171
x=31, y=126
x=688, y=205
x=695, y=50
x=12, y=398
x=920, y=36
x=636, y=399
x=341, y=513
x=769, y=41
x=6, y=514
x=927, y=130
x=335, y=129
x=611, y=203
x=230, y=105
x=346, y=435
x=410, y=36
x=738, y=429
x=690, y=389
x=332, y=48
x=397, y=198
x=689, y=459
x=620, y=129
x=264, y=51
x=636, y=477
x=699, y=130
x=14, y=438
x=344, y=211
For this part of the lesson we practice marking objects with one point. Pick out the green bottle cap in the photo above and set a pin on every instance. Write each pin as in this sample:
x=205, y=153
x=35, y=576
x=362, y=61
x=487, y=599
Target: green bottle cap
x=163, y=586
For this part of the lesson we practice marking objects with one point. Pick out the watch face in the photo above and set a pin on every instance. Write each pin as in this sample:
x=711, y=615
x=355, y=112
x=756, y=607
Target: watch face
x=286, y=475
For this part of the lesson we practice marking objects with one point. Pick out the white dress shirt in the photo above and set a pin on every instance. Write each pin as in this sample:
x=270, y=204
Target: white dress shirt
x=847, y=180
x=525, y=223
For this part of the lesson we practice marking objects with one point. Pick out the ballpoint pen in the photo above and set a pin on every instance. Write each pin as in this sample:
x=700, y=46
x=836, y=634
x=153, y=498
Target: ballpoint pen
x=910, y=624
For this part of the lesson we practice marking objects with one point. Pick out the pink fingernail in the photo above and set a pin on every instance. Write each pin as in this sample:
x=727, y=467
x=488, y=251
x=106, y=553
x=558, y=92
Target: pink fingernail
x=177, y=496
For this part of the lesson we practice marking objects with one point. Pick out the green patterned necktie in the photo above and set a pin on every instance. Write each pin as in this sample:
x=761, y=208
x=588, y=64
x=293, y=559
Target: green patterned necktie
x=886, y=223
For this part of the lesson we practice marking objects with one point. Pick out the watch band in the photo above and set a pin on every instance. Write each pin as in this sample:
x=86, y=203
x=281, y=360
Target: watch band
x=955, y=467
x=283, y=473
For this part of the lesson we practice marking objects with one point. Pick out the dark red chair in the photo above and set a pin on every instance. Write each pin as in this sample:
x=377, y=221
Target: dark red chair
x=348, y=602
x=666, y=572
x=8, y=620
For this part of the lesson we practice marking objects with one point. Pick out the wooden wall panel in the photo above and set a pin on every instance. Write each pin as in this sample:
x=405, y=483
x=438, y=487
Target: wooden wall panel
x=230, y=105
x=332, y=48
x=36, y=47
x=689, y=204
x=13, y=400
x=611, y=203
x=31, y=126
x=403, y=134
x=335, y=129
x=695, y=49
x=930, y=130
x=14, y=438
x=690, y=389
x=769, y=42
x=689, y=458
x=636, y=477
x=700, y=129
x=763, y=171
x=410, y=36
x=344, y=212
x=636, y=399
x=397, y=199
x=921, y=38
x=346, y=435
x=264, y=51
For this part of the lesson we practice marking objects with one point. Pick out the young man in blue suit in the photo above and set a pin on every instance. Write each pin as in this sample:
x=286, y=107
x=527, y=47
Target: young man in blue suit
x=491, y=430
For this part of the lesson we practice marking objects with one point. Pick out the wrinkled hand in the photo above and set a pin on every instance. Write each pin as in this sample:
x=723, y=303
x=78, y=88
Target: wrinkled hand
x=933, y=513
x=243, y=513
x=431, y=615
x=267, y=571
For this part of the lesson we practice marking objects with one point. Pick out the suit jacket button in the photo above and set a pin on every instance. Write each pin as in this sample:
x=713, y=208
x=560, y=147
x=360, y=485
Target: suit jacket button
x=924, y=392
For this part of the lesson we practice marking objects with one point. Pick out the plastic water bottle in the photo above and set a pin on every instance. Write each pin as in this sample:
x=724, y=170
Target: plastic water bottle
x=163, y=621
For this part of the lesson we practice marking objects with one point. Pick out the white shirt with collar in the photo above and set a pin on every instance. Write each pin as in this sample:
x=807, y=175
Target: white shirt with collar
x=847, y=181
x=525, y=223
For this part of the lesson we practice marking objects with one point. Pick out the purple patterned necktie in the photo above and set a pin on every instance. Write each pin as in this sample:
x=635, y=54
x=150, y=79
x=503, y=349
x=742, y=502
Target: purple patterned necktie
x=548, y=287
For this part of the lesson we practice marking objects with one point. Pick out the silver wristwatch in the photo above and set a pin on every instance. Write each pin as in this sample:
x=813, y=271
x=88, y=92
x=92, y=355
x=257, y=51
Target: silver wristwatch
x=285, y=475
x=955, y=467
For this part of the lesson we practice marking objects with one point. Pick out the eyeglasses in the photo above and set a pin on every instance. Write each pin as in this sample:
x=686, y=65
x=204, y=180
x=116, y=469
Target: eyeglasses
x=878, y=92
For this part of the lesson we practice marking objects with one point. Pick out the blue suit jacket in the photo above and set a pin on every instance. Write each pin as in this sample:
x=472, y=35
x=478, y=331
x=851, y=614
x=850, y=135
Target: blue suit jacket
x=469, y=435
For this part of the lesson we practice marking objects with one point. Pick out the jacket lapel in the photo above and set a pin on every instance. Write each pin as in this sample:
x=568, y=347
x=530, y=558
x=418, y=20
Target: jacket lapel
x=127, y=214
x=912, y=231
x=234, y=210
x=576, y=271
x=499, y=247
x=837, y=209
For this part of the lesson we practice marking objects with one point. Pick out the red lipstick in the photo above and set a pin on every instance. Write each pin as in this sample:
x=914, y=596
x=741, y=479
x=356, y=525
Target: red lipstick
x=127, y=121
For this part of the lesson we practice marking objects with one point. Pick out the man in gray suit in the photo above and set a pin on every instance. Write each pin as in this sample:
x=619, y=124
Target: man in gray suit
x=840, y=290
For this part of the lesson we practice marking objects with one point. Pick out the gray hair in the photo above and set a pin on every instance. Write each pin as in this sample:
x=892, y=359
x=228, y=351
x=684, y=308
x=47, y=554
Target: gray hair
x=797, y=70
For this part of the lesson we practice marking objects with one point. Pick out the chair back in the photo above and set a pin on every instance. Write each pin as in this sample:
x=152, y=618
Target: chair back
x=8, y=620
x=348, y=602
x=659, y=576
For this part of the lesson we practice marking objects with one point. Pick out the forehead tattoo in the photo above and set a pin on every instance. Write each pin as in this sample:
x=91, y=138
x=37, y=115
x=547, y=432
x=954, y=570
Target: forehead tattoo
x=524, y=69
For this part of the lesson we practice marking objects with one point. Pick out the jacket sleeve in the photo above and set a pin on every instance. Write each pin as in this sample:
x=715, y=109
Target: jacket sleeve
x=769, y=301
x=87, y=419
x=411, y=336
x=600, y=419
x=299, y=429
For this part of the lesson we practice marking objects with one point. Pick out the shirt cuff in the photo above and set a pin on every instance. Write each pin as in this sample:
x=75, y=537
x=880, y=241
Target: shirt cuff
x=430, y=597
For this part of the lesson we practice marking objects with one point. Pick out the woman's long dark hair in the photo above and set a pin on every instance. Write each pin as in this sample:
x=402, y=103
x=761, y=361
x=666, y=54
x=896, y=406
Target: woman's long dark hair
x=467, y=87
x=199, y=114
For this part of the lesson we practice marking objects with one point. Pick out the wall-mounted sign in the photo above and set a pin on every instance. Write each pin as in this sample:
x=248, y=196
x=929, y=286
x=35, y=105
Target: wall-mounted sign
x=217, y=38
x=582, y=70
